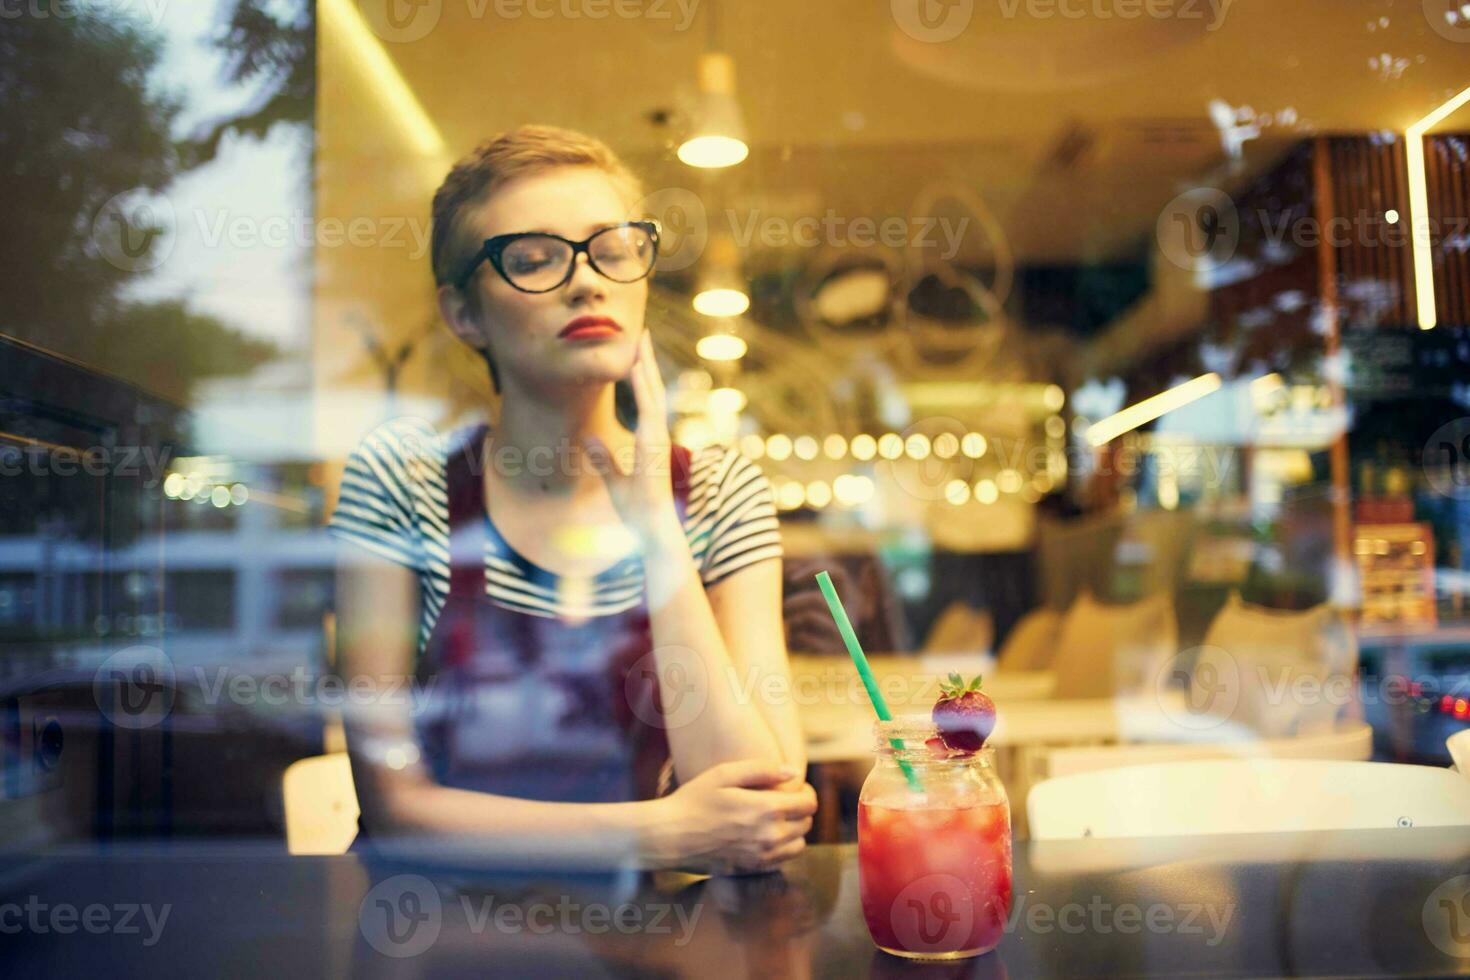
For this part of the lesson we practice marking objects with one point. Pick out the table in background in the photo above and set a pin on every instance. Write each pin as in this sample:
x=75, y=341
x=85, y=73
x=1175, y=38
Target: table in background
x=840, y=745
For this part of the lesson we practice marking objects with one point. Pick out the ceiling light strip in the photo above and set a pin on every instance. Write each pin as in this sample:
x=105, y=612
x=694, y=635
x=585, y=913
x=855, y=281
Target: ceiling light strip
x=1419, y=209
x=1149, y=409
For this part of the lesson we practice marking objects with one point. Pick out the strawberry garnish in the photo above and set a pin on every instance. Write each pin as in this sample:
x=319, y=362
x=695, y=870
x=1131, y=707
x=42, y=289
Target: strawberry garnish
x=964, y=715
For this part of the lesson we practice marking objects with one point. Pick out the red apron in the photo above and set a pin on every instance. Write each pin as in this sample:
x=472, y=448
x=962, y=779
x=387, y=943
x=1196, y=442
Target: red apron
x=531, y=706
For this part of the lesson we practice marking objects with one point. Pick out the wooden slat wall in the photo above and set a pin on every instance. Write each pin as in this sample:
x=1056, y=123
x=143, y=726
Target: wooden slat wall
x=1368, y=258
x=1274, y=205
x=1374, y=264
x=1372, y=259
x=1447, y=173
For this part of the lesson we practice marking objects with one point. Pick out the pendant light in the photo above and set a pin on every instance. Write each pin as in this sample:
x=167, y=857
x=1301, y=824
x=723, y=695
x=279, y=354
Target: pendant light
x=720, y=289
x=718, y=136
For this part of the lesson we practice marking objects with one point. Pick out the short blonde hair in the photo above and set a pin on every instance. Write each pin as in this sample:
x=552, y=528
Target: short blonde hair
x=526, y=150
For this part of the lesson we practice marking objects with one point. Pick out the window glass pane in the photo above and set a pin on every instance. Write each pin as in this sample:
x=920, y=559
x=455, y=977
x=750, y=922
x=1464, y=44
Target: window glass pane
x=1114, y=352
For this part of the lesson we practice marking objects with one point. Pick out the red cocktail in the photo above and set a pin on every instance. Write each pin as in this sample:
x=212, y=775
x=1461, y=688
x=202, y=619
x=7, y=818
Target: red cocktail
x=934, y=863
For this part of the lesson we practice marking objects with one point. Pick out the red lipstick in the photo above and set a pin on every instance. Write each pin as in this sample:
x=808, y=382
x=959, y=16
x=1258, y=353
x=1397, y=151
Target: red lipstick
x=590, y=328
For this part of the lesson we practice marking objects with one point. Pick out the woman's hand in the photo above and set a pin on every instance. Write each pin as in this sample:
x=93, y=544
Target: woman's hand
x=642, y=488
x=746, y=816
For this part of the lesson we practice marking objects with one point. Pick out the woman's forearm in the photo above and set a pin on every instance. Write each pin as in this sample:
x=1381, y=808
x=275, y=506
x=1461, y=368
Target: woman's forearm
x=429, y=821
x=688, y=645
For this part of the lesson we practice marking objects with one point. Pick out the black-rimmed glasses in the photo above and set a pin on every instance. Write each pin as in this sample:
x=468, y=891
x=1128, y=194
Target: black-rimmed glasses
x=538, y=262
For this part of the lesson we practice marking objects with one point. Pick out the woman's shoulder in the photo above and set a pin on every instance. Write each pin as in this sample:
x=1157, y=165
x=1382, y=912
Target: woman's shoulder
x=392, y=495
x=413, y=450
x=731, y=519
x=714, y=461
x=718, y=472
x=404, y=436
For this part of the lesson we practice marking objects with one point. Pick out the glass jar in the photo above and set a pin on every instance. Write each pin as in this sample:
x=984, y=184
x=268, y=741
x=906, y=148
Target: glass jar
x=934, y=846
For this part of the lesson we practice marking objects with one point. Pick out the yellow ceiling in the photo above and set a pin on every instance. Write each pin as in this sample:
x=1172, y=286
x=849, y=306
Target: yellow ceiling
x=845, y=110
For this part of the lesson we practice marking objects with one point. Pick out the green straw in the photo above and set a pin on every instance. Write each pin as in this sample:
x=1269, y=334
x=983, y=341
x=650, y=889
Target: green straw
x=860, y=660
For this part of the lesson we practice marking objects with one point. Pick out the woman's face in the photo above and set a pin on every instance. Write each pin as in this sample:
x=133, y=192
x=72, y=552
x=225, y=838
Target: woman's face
x=525, y=331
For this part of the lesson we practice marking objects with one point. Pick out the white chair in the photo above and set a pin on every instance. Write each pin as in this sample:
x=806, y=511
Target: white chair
x=1459, y=746
x=1107, y=650
x=1032, y=641
x=1351, y=743
x=1241, y=796
x=317, y=793
x=961, y=629
x=321, y=805
x=1254, y=660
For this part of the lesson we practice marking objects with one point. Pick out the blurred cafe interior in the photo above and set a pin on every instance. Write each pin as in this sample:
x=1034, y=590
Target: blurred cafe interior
x=1120, y=354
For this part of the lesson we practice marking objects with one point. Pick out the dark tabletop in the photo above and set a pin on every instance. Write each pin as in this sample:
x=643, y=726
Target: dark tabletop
x=1361, y=903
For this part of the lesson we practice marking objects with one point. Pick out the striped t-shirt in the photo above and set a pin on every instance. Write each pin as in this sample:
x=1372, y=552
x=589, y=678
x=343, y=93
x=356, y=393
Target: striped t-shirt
x=394, y=501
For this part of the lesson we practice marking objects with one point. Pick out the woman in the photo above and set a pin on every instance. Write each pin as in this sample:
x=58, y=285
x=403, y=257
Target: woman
x=609, y=624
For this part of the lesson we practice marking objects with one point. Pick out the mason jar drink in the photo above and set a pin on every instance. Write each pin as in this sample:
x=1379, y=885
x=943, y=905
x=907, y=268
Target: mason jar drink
x=934, y=846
